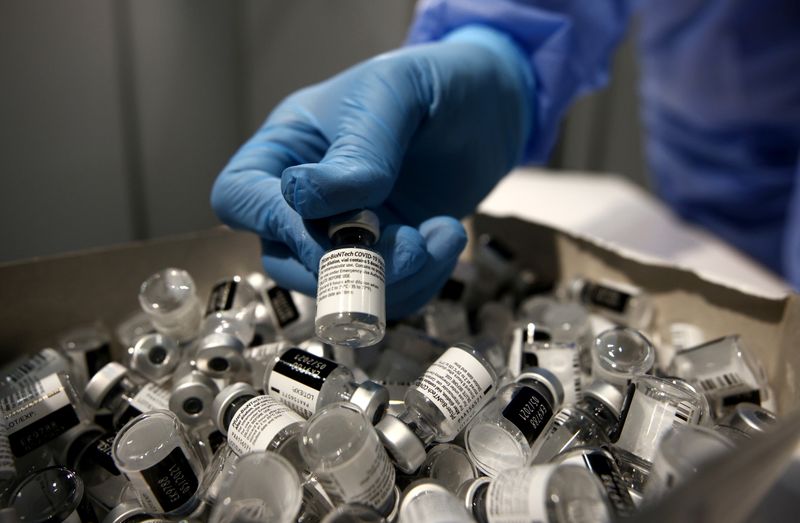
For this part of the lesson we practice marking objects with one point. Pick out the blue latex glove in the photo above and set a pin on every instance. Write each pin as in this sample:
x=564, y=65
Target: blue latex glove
x=420, y=135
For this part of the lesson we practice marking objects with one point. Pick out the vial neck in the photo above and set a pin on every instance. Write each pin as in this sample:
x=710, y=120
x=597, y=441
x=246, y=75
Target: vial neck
x=353, y=236
x=233, y=408
x=599, y=412
x=418, y=425
x=478, y=505
x=346, y=391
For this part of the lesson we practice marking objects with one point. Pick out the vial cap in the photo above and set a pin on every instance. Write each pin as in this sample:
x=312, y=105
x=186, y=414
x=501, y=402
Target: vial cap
x=372, y=398
x=220, y=355
x=404, y=447
x=607, y=394
x=749, y=418
x=155, y=356
x=124, y=512
x=468, y=490
x=546, y=378
x=364, y=219
x=102, y=383
x=192, y=397
x=224, y=399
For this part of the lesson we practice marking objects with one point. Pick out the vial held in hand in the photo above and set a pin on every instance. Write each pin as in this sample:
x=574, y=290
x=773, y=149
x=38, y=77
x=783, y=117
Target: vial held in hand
x=351, y=305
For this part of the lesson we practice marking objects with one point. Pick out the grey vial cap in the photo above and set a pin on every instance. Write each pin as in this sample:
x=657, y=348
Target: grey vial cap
x=124, y=512
x=468, y=490
x=155, y=356
x=403, y=446
x=220, y=355
x=546, y=378
x=365, y=219
x=224, y=399
x=102, y=383
x=749, y=418
x=192, y=396
x=607, y=394
x=371, y=398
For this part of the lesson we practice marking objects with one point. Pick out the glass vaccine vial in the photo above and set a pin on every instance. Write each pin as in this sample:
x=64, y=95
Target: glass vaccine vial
x=306, y=382
x=117, y=390
x=619, y=302
x=500, y=435
x=191, y=397
x=51, y=494
x=155, y=454
x=589, y=423
x=450, y=465
x=89, y=348
x=29, y=369
x=620, y=354
x=282, y=314
x=231, y=310
x=344, y=452
x=169, y=298
x=438, y=406
x=426, y=500
x=351, y=303
x=566, y=321
x=562, y=359
x=256, y=422
x=542, y=493
x=155, y=357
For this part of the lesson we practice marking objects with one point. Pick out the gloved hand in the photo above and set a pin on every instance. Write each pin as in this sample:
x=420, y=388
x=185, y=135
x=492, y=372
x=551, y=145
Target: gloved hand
x=419, y=135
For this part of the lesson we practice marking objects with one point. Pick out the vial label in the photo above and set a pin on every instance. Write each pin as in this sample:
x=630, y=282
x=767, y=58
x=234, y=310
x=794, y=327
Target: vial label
x=98, y=358
x=222, y=296
x=529, y=411
x=351, y=280
x=7, y=468
x=297, y=378
x=167, y=485
x=458, y=384
x=605, y=297
x=283, y=306
x=151, y=397
x=368, y=477
x=602, y=466
x=648, y=420
x=40, y=365
x=256, y=424
x=37, y=413
x=518, y=496
x=101, y=453
x=566, y=365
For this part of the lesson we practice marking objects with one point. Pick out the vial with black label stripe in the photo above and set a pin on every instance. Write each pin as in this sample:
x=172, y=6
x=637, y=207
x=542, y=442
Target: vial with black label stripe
x=89, y=348
x=590, y=422
x=155, y=454
x=438, y=405
x=51, y=494
x=622, y=303
x=561, y=358
x=169, y=298
x=655, y=406
x=724, y=370
x=306, y=382
x=117, y=390
x=351, y=303
x=542, y=493
x=620, y=354
x=427, y=500
x=500, y=436
x=254, y=422
x=345, y=454
x=231, y=310
x=282, y=314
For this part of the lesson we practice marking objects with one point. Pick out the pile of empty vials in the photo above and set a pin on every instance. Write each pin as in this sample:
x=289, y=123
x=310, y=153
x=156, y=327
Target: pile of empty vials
x=504, y=399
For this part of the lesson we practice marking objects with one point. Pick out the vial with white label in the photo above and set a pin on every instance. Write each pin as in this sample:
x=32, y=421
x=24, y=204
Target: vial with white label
x=231, y=310
x=427, y=500
x=500, y=436
x=256, y=422
x=155, y=357
x=39, y=412
x=562, y=359
x=438, y=406
x=656, y=405
x=52, y=494
x=542, y=493
x=125, y=395
x=31, y=368
x=589, y=423
x=89, y=347
x=344, y=452
x=351, y=304
x=622, y=303
x=155, y=454
x=191, y=397
x=261, y=486
x=282, y=314
x=620, y=354
x=306, y=382
x=169, y=298
x=724, y=371
x=450, y=465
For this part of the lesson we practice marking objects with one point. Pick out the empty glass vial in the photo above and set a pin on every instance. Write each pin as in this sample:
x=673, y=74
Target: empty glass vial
x=567, y=322
x=446, y=316
x=745, y=421
x=31, y=368
x=450, y=465
x=724, y=371
x=256, y=422
x=426, y=500
x=53, y=494
x=281, y=314
x=562, y=359
x=438, y=406
x=191, y=397
x=600, y=462
x=681, y=453
x=351, y=305
x=622, y=303
x=306, y=382
x=155, y=357
x=40, y=411
x=500, y=436
x=620, y=354
x=261, y=486
x=125, y=395
x=89, y=348
x=542, y=493
x=169, y=297
x=655, y=407
x=231, y=310
x=155, y=454
x=344, y=452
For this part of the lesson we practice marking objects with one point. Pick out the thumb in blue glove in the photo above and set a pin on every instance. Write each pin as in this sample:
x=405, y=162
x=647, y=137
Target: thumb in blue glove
x=419, y=135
